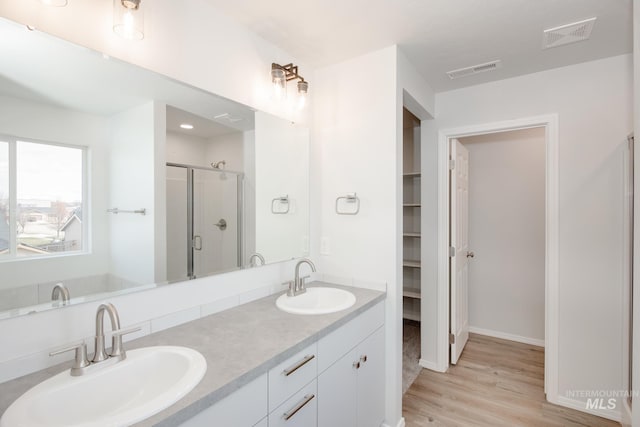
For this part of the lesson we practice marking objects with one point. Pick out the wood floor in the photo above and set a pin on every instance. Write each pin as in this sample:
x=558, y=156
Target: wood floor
x=495, y=383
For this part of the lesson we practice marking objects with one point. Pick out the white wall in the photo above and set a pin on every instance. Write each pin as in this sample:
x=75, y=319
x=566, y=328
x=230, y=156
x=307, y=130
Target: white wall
x=189, y=41
x=200, y=49
x=507, y=234
x=132, y=183
x=281, y=169
x=594, y=104
x=48, y=123
x=357, y=134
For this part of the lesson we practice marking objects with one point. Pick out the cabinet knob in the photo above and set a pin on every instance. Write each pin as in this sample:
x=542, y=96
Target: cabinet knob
x=356, y=365
x=363, y=358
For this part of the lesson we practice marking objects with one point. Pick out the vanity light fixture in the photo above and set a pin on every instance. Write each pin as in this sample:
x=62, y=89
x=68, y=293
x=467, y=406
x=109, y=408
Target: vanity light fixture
x=281, y=74
x=54, y=3
x=128, y=19
x=186, y=126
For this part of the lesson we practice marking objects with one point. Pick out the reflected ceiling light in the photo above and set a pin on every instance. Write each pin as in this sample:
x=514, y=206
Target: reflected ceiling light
x=281, y=74
x=186, y=126
x=54, y=3
x=128, y=19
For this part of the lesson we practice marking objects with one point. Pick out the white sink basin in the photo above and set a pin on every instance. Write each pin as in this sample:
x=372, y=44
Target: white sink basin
x=149, y=380
x=317, y=300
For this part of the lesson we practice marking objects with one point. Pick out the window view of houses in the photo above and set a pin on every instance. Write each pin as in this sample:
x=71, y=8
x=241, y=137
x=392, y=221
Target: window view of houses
x=47, y=215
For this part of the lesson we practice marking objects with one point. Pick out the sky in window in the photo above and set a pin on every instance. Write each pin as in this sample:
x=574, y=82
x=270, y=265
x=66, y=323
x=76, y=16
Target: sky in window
x=47, y=172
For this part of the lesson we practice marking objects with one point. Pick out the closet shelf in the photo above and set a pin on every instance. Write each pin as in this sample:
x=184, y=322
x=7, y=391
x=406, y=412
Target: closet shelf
x=411, y=293
x=412, y=175
x=411, y=315
x=412, y=205
x=411, y=234
x=413, y=264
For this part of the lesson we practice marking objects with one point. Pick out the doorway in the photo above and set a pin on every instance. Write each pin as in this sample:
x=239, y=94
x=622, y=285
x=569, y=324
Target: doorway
x=549, y=124
x=498, y=232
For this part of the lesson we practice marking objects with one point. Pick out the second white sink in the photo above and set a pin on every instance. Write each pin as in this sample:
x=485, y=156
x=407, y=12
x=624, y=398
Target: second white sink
x=149, y=380
x=317, y=300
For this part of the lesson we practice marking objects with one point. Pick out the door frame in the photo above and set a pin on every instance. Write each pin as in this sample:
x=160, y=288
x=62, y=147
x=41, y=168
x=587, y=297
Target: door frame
x=550, y=123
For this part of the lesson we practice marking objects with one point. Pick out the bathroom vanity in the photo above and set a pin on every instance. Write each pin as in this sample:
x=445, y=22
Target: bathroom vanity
x=268, y=367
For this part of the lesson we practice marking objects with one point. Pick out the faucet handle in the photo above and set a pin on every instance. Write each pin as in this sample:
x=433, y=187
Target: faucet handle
x=81, y=359
x=116, y=341
x=121, y=332
x=302, y=281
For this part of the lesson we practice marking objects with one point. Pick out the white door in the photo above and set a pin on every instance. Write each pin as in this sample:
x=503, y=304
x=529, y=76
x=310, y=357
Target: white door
x=459, y=273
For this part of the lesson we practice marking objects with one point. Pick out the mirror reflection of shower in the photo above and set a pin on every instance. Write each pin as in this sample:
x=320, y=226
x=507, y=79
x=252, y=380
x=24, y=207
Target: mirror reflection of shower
x=205, y=183
x=220, y=165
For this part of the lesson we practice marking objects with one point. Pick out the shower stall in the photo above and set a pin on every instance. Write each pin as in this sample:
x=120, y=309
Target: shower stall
x=204, y=221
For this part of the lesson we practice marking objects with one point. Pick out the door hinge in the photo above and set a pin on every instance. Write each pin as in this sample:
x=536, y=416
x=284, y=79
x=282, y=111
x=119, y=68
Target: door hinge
x=452, y=339
x=452, y=251
x=452, y=164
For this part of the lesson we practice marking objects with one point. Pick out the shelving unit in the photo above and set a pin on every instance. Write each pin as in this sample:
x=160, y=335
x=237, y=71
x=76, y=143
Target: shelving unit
x=411, y=204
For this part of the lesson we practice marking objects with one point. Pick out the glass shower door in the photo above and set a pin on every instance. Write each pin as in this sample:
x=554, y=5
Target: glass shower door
x=215, y=222
x=204, y=221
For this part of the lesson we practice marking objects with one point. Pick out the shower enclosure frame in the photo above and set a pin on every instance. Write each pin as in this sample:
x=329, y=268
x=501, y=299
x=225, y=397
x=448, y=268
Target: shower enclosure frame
x=190, y=213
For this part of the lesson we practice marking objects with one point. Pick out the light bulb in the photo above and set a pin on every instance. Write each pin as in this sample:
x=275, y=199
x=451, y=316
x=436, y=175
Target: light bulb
x=303, y=89
x=279, y=81
x=128, y=19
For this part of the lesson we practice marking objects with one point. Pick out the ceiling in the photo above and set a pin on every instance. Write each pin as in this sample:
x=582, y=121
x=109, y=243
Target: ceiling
x=438, y=35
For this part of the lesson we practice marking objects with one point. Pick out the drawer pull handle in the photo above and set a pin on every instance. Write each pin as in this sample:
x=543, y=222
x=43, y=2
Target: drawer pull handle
x=298, y=365
x=299, y=406
x=356, y=365
x=363, y=358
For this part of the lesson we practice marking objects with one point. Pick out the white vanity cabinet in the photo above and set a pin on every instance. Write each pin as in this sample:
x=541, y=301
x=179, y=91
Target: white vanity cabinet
x=336, y=381
x=352, y=389
x=351, y=379
x=245, y=407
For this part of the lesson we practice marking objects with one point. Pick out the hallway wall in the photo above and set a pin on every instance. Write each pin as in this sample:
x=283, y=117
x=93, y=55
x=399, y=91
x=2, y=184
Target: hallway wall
x=507, y=234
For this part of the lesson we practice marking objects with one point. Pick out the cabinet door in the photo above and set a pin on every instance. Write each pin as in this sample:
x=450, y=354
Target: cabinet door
x=337, y=393
x=371, y=381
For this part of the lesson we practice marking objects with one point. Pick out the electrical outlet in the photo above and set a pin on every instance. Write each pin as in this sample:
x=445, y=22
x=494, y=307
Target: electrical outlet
x=325, y=246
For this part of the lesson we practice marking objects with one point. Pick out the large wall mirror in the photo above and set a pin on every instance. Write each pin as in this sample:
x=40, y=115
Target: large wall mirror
x=115, y=179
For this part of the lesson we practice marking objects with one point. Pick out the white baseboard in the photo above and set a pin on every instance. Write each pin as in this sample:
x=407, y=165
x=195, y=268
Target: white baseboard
x=626, y=416
x=579, y=405
x=400, y=423
x=427, y=364
x=506, y=336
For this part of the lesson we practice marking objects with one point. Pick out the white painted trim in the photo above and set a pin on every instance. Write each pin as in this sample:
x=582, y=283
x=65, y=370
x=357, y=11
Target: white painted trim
x=579, y=405
x=428, y=364
x=401, y=423
x=550, y=123
x=506, y=336
x=625, y=414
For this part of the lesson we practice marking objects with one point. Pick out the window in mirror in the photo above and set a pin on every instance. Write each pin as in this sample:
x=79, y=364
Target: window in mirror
x=45, y=209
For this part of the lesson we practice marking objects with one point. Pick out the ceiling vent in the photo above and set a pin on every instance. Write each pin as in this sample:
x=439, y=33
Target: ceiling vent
x=566, y=34
x=474, y=69
x=226, y=117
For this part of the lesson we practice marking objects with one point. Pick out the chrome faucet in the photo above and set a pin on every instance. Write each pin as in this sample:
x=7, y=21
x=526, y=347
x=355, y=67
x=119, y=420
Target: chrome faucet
x=297, y=287
x=82, y=365
x=60, y=291
x=253, y=257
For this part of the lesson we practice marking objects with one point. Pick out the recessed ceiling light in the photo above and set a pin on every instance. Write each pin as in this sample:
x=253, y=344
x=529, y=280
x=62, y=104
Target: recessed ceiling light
x=186, y=126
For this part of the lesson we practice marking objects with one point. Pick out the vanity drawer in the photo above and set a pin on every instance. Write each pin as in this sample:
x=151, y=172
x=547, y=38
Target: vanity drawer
x=300, y=410
x=291, y=375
